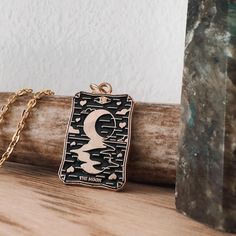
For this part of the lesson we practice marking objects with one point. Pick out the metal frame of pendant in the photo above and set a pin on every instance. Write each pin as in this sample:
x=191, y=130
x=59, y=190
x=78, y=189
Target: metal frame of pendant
x=124, y=170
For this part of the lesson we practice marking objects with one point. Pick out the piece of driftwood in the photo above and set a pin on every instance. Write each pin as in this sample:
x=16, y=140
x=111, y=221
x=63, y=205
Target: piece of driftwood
x=34, y=202
x=154, y=143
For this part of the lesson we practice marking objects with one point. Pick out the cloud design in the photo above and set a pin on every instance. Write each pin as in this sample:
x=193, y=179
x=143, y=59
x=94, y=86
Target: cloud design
x=122, y=112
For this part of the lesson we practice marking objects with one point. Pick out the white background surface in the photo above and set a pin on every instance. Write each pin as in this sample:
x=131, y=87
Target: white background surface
x=65, y=45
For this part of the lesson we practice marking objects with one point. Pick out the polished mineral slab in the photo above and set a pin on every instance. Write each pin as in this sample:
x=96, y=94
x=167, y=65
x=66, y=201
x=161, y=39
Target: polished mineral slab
x=206, y=175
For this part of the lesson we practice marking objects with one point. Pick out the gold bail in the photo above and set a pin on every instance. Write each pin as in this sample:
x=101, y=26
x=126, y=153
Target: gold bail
x=103, y=88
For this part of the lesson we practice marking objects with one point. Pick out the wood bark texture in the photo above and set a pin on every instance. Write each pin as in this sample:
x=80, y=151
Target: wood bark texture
x=154, y=145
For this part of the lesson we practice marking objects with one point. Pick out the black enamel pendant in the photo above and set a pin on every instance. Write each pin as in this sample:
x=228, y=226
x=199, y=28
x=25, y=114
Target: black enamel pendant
x=98, y=138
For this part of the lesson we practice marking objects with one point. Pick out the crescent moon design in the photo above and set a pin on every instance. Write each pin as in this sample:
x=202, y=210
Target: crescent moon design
x=90, y=124
x=96, y=141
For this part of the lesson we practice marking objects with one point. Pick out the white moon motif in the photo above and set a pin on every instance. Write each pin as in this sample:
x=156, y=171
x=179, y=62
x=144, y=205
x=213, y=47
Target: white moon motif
x=96, y=141
x=90, y=124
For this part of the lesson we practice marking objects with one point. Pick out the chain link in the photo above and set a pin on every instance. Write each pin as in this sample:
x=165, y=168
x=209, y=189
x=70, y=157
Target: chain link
x=31, y=104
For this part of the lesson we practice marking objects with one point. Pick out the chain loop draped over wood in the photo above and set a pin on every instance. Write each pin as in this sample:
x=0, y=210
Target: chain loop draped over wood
x=31, y=104
x=11, y=100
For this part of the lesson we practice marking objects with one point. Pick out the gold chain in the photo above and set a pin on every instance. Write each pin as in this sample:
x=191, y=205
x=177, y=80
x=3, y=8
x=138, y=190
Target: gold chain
x=31, y=104
x=11, y=100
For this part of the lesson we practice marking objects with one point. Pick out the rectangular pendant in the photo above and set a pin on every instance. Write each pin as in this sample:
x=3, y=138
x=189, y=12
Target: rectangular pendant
x=97, y=141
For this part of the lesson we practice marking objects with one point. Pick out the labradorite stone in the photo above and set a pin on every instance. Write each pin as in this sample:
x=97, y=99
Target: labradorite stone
x=206, y=175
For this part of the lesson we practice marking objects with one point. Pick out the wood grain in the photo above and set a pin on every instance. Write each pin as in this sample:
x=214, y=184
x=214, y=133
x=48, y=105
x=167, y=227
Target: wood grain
x=154, y=137
x=35, y=202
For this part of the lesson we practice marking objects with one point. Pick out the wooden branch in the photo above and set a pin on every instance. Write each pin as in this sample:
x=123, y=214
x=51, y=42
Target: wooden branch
x=153, y=147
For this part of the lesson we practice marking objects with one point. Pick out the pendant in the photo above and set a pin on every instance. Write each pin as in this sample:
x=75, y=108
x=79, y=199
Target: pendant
x=98, y=139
